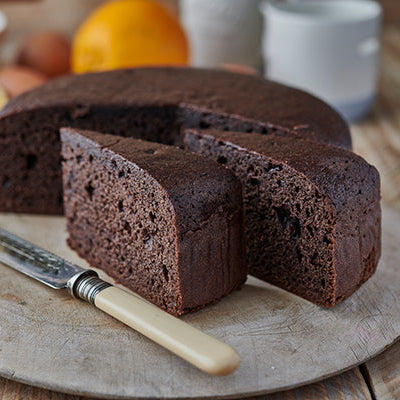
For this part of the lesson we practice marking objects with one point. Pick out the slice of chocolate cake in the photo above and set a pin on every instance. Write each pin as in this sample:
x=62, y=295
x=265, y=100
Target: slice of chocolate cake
x=164, y=222
x=312, y=211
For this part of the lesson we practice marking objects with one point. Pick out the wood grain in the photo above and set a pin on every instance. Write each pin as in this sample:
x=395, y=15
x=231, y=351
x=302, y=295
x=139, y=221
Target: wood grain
x=11, y=390
x=347, y=386
x=383, y=373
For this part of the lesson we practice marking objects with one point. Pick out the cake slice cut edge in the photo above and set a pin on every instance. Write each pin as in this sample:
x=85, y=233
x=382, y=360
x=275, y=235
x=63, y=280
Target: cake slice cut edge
x=163, y=222
x=312, y=211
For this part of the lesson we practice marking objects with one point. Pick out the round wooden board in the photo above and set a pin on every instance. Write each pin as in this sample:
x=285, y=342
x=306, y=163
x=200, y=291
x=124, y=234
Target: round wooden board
x=48, y=339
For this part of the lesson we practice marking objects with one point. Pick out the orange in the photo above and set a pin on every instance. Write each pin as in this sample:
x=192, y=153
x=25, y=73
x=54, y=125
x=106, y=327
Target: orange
x=129, y=33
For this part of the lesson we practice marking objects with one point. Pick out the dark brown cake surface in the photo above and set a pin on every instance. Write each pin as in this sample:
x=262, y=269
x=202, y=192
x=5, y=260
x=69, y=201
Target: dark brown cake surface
x=155, y=104
x=262, y=104
x=312, y=211
x=164, y=222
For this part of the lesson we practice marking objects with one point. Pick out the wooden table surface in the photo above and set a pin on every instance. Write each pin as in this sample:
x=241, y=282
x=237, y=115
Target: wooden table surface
x=378, y=140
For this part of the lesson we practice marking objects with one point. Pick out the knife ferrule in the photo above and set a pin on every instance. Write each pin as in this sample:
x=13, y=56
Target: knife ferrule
x=86, y=285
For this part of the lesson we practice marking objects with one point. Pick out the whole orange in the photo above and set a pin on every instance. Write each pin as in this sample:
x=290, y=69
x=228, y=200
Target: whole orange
x=128, y=33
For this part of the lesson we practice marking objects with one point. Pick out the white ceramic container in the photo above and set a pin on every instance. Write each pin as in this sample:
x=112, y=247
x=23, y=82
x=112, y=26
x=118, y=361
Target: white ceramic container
x=223, y=31
x=327, y=47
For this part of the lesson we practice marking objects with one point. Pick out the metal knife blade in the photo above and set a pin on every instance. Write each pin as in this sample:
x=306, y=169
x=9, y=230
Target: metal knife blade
x=35, y=262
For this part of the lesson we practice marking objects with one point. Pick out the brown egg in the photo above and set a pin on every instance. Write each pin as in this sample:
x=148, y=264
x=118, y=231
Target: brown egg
x=16, y=79
x=47, y=52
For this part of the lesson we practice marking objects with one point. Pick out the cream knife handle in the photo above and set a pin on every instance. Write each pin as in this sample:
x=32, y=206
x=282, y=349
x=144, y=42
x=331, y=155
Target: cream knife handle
x=203, y=351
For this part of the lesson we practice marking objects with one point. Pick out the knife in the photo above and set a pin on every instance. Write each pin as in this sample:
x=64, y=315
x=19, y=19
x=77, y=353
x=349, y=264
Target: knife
x=198, y=348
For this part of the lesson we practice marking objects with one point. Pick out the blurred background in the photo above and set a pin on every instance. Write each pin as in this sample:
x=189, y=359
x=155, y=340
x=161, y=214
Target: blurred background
x=43, y=39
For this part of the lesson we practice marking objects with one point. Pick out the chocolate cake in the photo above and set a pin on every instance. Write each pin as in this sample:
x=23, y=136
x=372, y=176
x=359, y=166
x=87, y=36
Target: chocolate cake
x=155, y=104
x=164, y=222
x=301, y=186
x=312, y=211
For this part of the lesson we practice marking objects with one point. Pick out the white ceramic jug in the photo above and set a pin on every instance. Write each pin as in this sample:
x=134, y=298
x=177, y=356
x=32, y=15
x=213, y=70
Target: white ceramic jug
x=327, y=47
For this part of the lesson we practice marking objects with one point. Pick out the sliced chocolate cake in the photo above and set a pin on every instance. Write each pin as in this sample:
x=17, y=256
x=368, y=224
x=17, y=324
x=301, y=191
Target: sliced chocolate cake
x=154, y=104
x=163, y=222
x=312, y=211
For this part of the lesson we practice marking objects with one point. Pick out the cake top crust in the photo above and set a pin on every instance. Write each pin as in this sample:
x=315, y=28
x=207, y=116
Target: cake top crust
x=340, y=174
x=196, y=187
x=250, y=98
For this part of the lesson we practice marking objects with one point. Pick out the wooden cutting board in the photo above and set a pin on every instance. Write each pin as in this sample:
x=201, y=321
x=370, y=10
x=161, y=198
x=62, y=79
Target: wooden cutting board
x=48, y=339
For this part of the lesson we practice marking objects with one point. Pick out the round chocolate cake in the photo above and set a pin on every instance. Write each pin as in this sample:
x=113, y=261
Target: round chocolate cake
x=159, y=105
x=152, y=104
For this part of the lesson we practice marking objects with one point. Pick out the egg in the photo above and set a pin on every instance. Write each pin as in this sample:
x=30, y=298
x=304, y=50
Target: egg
x=46, y=52
x=16, y=79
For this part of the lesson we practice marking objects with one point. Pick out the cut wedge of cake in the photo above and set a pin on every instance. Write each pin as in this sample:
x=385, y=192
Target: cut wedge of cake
x=165, y=223
x=312, y=211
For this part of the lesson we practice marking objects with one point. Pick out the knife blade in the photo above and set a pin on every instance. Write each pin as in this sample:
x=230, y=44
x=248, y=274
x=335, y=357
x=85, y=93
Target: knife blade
x=198, y=348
